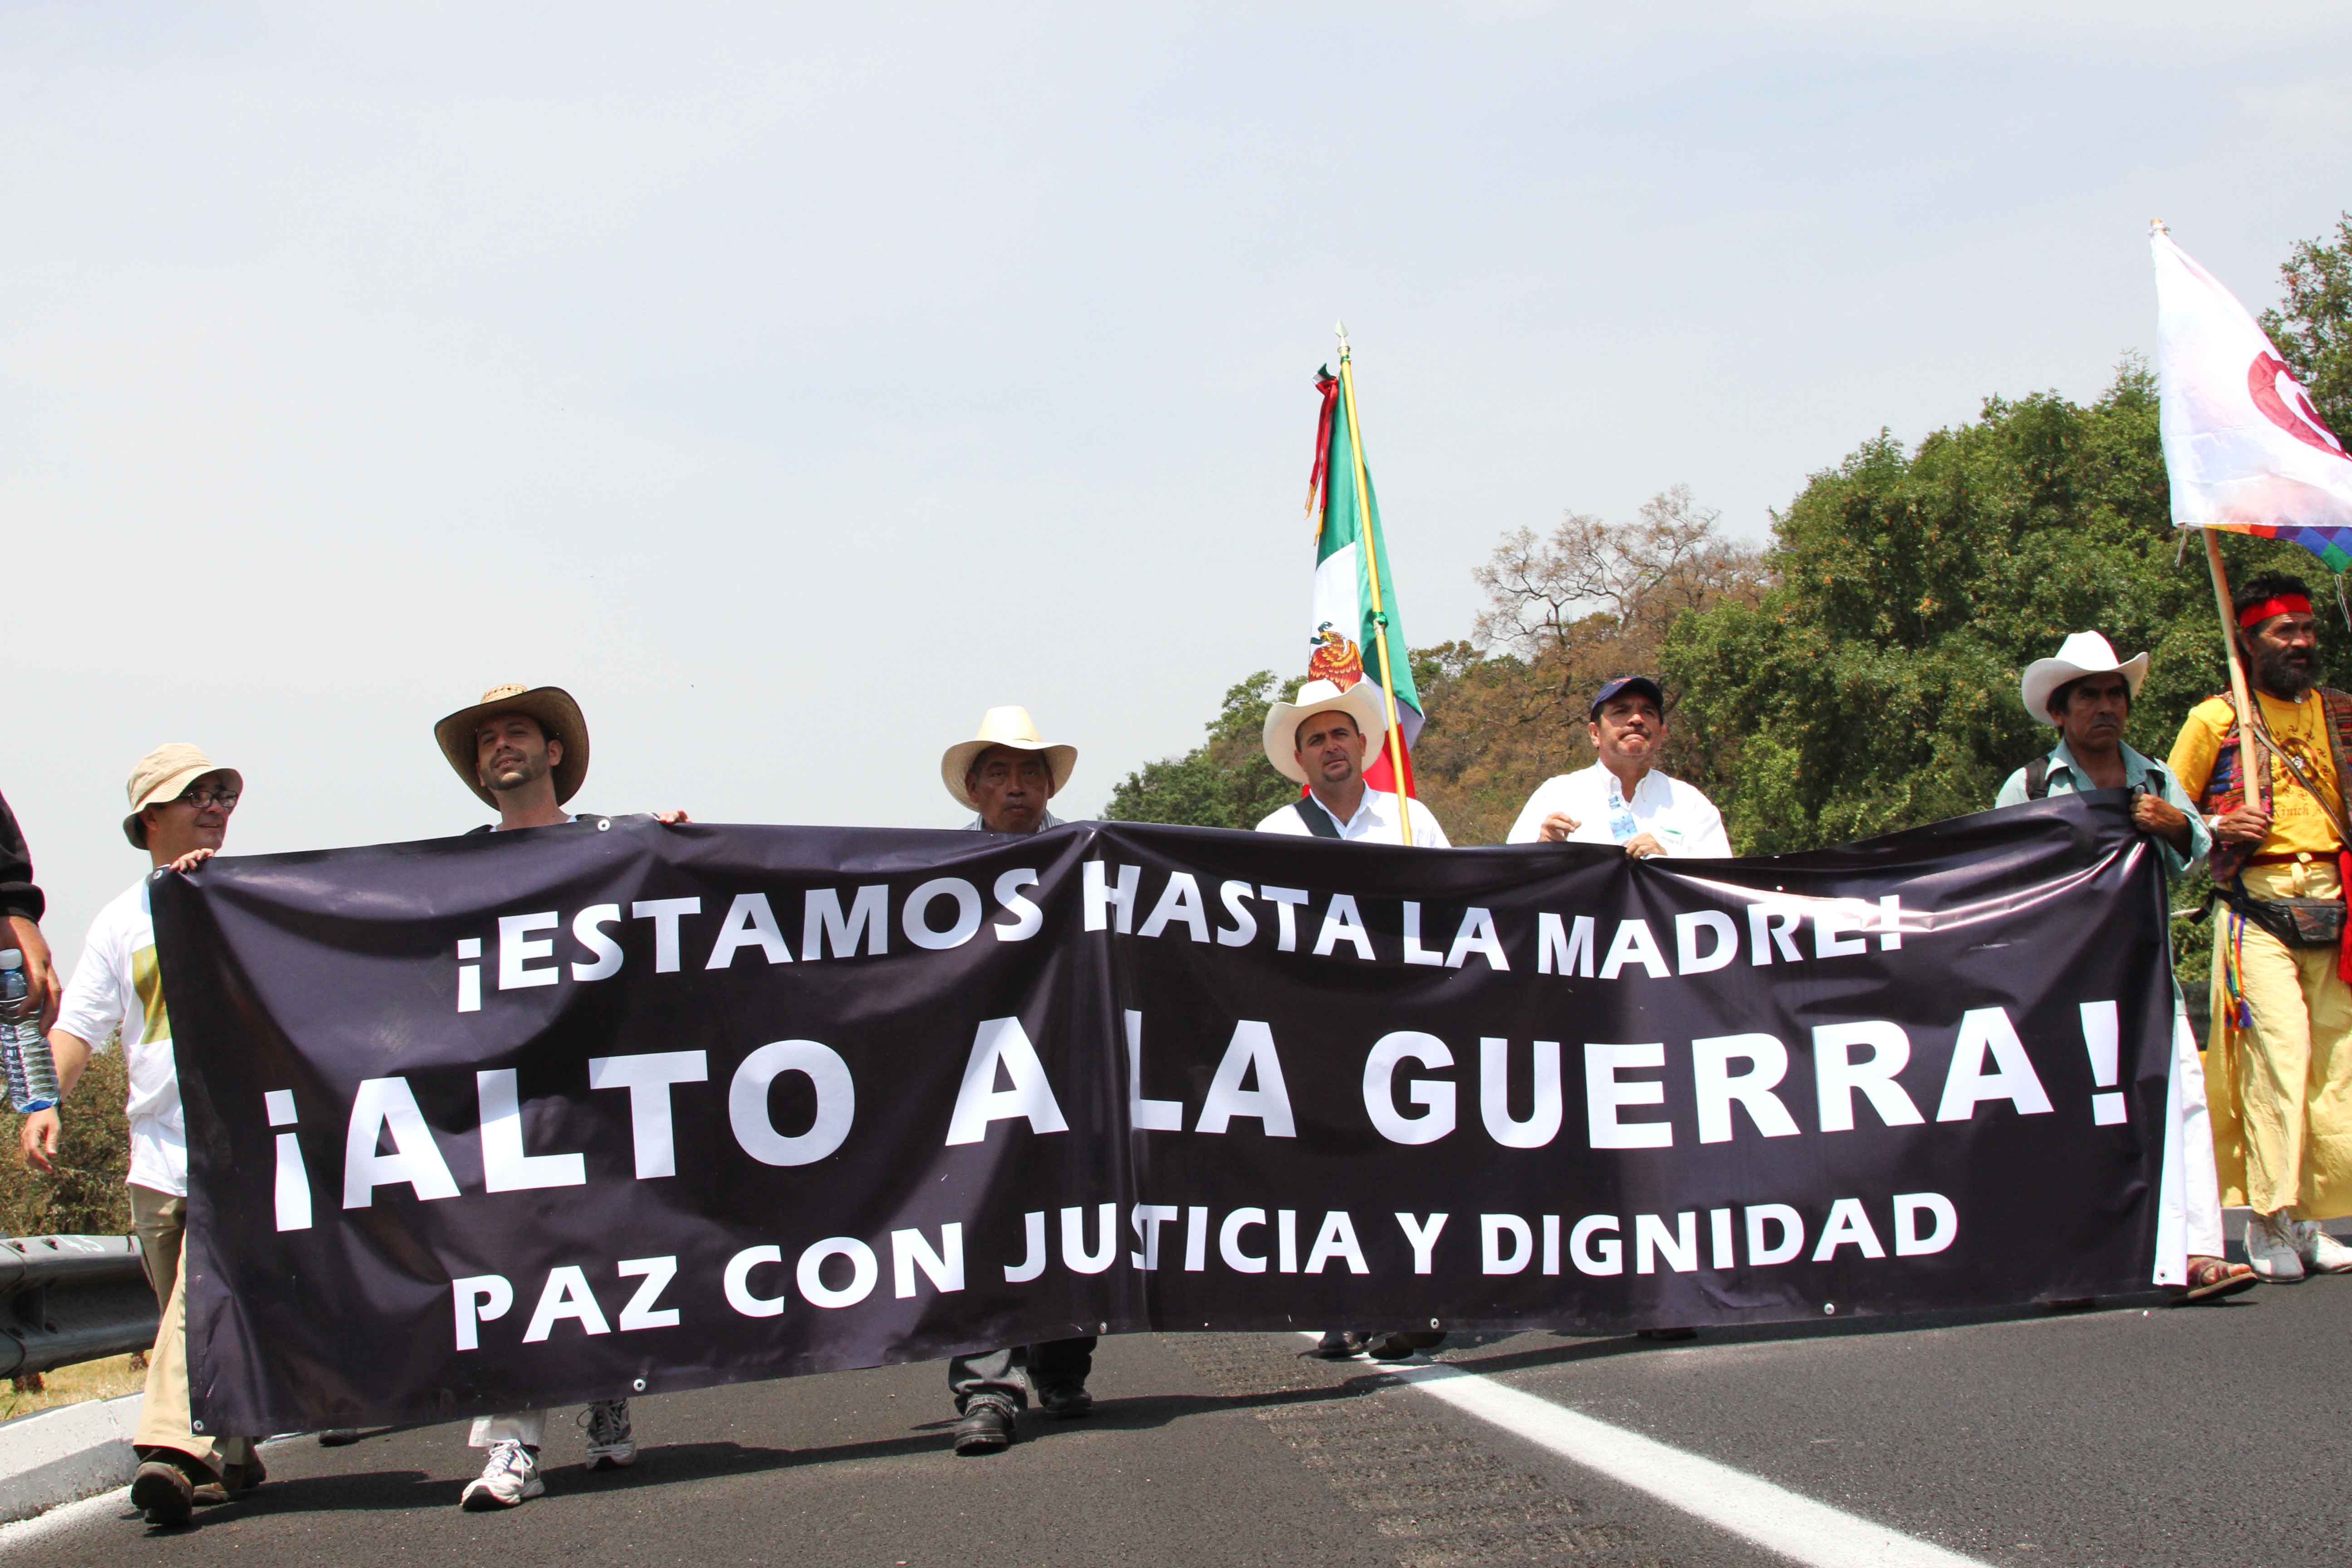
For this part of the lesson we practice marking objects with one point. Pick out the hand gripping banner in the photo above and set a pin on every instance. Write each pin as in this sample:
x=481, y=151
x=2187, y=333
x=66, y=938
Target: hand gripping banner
x=521, y=1120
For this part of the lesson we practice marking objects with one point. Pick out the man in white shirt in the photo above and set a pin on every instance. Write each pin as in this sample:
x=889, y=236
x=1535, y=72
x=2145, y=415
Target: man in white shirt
x=526, y=752
x=1320, y=740
x=180, y=805
x=1622, y=798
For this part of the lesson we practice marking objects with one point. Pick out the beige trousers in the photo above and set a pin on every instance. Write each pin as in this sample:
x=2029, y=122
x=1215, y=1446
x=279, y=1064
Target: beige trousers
x=2281, y=1089
x=161, y=1221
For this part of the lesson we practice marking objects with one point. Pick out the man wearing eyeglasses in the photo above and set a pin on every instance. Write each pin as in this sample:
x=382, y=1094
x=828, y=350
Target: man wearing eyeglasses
x=179, y=807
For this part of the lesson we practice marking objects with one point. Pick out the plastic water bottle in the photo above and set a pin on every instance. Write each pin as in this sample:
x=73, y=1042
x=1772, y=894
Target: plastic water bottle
x=24, y=1049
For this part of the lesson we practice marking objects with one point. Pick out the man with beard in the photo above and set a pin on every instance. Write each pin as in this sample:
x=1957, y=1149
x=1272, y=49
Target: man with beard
x=1622, y=798
x=2278, y=1071
x=526, y=752
x=2086, y=692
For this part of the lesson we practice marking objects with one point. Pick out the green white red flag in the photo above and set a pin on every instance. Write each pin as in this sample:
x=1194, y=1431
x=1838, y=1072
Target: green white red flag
x=1344, y=644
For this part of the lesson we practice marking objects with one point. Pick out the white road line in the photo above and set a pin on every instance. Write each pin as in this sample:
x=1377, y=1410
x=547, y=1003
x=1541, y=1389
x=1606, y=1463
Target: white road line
x=1781, y=1520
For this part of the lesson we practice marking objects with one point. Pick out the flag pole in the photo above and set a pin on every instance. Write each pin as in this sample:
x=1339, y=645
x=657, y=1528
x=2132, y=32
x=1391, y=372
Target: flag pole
x=1367, y=533
x=2228, y=632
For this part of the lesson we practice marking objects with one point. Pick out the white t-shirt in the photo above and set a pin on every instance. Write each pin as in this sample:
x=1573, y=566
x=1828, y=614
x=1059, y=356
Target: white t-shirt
x=117, y=989
x=1375, y=821
x=1683, y=822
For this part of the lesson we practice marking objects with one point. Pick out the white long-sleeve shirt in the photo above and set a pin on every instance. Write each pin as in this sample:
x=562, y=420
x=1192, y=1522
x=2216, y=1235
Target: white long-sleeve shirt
x=1683, y=822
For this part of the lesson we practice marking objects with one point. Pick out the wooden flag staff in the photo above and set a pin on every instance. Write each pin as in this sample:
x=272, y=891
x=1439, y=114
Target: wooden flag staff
x=1366, y=536
x=2249, y=716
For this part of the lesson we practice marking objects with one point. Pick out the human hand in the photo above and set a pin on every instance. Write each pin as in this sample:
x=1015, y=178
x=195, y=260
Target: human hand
x=2250, y=824
x=671, y=817
x=1556, y=828
x=1641, y=846
x=191, y=859
x=41, y=976
x=37, y=1138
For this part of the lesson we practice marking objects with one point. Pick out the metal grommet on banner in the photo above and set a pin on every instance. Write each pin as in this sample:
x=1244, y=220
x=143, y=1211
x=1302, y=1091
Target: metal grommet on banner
x=196, y=1426
x=603, y=825
x=1433, y=1322
x=639, y=1386
x=1102, y=1328
x=1829, y=1309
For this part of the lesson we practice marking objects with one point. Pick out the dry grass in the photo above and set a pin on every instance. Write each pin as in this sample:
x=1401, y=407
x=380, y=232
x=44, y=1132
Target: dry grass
x=72, y=1384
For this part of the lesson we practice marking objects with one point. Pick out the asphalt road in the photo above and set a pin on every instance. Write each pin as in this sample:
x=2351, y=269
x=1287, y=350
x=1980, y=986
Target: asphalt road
x=2137, y=1435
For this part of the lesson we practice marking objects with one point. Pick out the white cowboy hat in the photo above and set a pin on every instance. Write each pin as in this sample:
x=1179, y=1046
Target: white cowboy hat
x=2083, y=653
x=1361, y=701
x=1012, y=728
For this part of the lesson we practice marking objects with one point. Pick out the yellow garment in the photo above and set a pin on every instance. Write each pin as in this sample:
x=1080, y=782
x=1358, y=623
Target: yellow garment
x=2281, y=1092
x=2297, y=824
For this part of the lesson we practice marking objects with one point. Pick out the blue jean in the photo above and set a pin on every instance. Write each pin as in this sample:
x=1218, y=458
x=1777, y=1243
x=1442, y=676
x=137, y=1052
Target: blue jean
x=989, y=1375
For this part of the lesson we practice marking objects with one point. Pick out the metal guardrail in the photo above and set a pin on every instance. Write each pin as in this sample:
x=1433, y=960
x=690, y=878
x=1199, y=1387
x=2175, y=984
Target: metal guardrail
x=68, y=1299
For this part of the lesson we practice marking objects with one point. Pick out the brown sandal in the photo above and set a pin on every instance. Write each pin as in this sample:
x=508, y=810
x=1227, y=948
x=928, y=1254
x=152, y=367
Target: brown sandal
x=2210, y=1278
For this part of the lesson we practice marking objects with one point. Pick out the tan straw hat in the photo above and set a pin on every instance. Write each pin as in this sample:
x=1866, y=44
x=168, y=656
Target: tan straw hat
x=1362, y=702
x=164, y=775
x=559, y=720
x=1011, y=728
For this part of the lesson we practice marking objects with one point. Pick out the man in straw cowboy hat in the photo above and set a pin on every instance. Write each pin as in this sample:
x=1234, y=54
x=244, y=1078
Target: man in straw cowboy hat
x=179, y=807
x=2086, y=693
x=1319, y=738
x=525, y=751
x=1006, y=773
x=1622, y=798
x=2279, y=1062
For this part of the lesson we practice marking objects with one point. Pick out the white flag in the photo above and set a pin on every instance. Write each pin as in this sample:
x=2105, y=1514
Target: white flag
x=2243, y=447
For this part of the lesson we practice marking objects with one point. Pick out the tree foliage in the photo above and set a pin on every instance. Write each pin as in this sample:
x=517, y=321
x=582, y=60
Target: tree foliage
x=2314, y=332
x=1225, y=781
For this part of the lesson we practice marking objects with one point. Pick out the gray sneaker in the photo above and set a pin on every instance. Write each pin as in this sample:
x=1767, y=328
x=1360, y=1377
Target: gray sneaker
x=611, y=1445
x=2272, y=1249
x=2321, y=1253
x=508, y=1476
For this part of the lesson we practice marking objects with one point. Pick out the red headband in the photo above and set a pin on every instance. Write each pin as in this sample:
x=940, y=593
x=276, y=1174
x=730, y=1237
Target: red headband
x=2277, y=605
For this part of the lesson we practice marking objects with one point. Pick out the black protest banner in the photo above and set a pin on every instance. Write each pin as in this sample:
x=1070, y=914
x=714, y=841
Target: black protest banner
x=521, y=1120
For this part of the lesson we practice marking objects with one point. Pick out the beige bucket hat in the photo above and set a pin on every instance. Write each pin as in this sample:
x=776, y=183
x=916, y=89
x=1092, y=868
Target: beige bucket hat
x=1363, y=702
x=2082, y=654
x=1011, y=727
x=162, y=775
x=559, y=720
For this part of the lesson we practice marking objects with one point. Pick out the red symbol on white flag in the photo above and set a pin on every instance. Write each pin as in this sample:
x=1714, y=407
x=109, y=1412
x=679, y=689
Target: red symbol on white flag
x=2298, y=418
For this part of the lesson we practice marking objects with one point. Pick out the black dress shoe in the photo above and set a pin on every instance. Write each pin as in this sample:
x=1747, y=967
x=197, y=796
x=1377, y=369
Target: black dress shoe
x=1338, y=1344
x=1065, y=1401
x=1399, y=1345
x=986, y=1429
x=162, y=1491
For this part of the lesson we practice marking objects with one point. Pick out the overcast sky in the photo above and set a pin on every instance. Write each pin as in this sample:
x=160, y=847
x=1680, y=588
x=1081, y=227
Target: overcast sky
x=792, y=385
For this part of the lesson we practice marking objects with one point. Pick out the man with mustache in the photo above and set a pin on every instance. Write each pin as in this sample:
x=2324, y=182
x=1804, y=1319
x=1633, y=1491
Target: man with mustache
x=2278, y=1071
x=1622, y=798
x=2087, y=693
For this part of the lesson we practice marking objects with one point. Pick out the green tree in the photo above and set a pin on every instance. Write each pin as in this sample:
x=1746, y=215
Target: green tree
x=1224, y=782
x=2315, y=331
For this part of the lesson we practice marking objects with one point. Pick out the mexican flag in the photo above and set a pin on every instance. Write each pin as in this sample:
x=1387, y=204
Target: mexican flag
x=1343, y=645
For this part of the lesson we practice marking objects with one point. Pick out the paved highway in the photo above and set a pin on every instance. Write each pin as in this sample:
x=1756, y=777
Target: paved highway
x=2131, y=1435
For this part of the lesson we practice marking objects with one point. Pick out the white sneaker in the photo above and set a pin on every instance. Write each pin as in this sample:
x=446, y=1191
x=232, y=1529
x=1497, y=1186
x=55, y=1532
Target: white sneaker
x=612, y=1445
x=2321, y=1253
x=2272, y=1249
x=510, y=1475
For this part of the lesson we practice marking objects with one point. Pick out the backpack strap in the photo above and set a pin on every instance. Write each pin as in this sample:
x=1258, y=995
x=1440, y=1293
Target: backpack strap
x=2037, y=777
x=1318, y=821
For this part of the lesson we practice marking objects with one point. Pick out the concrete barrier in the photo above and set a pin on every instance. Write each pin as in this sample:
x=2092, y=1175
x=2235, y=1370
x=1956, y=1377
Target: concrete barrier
x=54, y=1456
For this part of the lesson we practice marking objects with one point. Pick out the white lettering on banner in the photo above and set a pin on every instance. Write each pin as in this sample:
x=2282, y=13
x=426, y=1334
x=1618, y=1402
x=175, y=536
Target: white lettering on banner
x=747, y=1102
x=1343, y=922
x=505, y=1167
x=1180, y=904
x=911, y=1250
x=1413, y=952
x=1001, y=1045
x=1286, y=902
x=1285, y=1241
x=1107, y=897
x=1719, y=1088
x=469, y=975
x=1028, y=920
x=865, y=1272
x=1909, y=1209
x=1148, y=1218
x=1336, y=1241
x=749, y=922
x=665, y=913
x=1772, y=924
x=566, y=1295
x=1033, y=1262
x=824, y=925
x=1436, y=1096
x=1762, y=1217
x=1244, y=931
x=1718, y=1226
x=1229, y=1241
x=1689, y=959
x=1196, y=1239
x=1847, y=1226
x=1605, y=1095
x=1635, y=944
x=1544, y=1113
x=1560, y=953
x=641, y=1312
x=1593, y=1251
x=914, y=918
x=1146, y=1115
x=588, y=930
x=1420, y=1235
x=1250, y=1054
x=292, y=1188
x=1477, y=935
x=1075, y=1256
x=648, y=1077
x=385, y=1107
x=516, y=949
x=1652, y=1240
x=1836, y=1075
x=478, y=1299
x=1833, y=916
x=736, y=1282
x=1492, y=1230
x=1968, y=1085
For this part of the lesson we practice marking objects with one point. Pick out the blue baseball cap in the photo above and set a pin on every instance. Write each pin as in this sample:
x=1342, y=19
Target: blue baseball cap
x=1621, y=685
